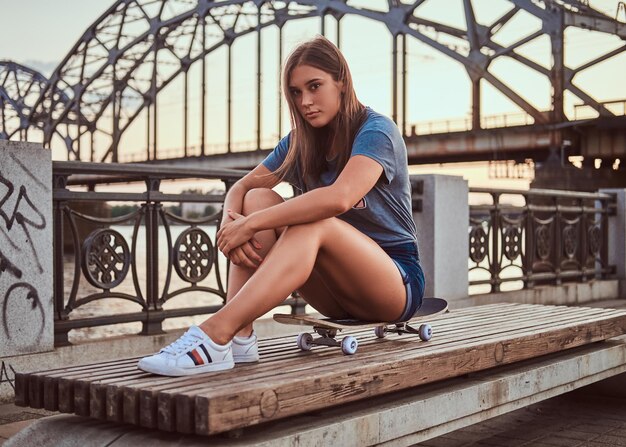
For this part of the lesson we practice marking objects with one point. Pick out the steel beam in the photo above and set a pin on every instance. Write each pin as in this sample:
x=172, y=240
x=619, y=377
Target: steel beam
x=203, y=91
x=595, y=23
x=404, y=87
x=557, y=72
x=258, y=81
x=512, y=143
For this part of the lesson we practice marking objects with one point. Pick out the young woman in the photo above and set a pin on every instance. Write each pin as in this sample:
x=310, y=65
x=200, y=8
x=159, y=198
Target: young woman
x=347, y=244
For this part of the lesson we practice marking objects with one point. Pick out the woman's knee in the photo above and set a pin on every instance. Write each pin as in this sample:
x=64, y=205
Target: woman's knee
x=311, y=229
x=260, y=198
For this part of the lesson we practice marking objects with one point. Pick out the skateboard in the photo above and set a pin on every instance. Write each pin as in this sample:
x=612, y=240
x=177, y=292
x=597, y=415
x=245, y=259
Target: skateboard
x=327, y=328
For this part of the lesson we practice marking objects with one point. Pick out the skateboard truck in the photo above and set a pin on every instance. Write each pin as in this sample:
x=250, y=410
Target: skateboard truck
x=326, y=337
x=425, y=331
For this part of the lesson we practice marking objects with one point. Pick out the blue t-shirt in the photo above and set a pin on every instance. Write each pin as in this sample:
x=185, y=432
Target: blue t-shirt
x=385, y=213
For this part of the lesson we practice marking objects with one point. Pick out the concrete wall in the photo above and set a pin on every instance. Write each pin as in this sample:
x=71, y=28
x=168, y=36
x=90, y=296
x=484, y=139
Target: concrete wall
x=442, y=235
x=567, y=294
x=26, y=319
x=617, y=238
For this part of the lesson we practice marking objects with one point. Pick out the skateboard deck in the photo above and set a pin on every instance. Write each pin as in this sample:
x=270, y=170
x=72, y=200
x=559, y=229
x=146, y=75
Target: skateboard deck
x=327, y=328
x=430, y=307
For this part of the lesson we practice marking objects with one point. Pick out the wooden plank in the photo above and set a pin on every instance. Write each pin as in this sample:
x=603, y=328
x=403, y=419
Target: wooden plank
x=98, y=393
x=254, y=403
x=50, y=388
x=496, y=326
x=487, y=310
x=177, y=382
x=364, y=336
x=45, y=390
x=300, y=367
x=183, y=421
x=35, y=391
x=73, y=389
x=83, y=391
x=149, y=393
x=118, y=406
x=469, y=361
x=131, y=410
x=121, y=392
x=50, y=394
x=399, y=418
x=21, y=390
x=64, y=387
x=407, y=418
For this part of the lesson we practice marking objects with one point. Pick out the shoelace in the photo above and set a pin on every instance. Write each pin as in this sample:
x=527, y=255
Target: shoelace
x=181, y=345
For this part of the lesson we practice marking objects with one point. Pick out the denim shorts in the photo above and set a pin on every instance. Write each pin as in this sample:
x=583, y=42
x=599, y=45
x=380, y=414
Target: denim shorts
x=406, y=259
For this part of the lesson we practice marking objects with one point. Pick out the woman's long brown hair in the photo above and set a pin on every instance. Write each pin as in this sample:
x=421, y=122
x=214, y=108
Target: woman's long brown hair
x=308, y=145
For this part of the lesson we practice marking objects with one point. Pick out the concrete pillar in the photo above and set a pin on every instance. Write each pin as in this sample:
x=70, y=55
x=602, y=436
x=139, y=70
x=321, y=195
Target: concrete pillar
x=26, y=306
x=442, y=233
x=617, y=238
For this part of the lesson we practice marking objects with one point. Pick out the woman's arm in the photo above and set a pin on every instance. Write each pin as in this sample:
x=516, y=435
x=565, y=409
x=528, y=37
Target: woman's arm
x=257, y=178
x=244, y=254
x=357, y=178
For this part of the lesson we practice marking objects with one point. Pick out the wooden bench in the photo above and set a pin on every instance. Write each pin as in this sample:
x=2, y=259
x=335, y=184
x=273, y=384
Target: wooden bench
x=290, y=383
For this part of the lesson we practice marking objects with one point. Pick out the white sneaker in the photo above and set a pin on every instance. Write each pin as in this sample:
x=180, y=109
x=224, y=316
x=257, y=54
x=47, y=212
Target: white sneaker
x=193, y=353
x=246, y=349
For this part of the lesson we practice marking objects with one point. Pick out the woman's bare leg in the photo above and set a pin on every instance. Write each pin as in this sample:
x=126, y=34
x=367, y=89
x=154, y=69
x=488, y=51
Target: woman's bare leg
x=254, y=200
x=365, y=279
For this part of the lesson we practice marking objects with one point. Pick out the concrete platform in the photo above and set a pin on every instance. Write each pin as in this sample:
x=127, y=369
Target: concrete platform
x=579, y=418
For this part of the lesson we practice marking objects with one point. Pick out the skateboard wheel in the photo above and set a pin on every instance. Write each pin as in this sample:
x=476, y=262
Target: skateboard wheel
x=425, y=332
x=349, y=345
x=380, y=331
x=305, y=341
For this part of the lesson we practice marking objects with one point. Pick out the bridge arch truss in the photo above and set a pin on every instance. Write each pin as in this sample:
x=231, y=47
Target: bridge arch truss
x=123, y=61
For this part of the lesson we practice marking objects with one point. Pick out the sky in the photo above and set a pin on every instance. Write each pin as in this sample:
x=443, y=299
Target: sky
x=39, y=33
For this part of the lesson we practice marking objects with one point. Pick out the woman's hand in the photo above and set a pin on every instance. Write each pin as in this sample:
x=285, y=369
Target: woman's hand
x=225, y=220
x=236, y=240
x=245, y=256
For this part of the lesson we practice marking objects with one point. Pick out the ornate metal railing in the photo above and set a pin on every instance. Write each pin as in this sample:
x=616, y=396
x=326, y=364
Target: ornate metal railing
x=103, y=259
x=537, y=237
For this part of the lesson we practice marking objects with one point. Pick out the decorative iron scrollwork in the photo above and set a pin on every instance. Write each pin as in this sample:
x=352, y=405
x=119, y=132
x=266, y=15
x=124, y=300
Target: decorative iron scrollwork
x=478, y=244
x=594, y=237
x=106, y=258
x=193, y=255
x=512, y=242
x=570, y=242
x=542, y=240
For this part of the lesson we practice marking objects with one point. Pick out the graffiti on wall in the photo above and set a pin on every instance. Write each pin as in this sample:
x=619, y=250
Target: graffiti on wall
x=21, y=265
x=7, y=375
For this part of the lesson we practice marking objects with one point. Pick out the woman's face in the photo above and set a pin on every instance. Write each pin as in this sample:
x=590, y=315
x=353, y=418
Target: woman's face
x=316, y=94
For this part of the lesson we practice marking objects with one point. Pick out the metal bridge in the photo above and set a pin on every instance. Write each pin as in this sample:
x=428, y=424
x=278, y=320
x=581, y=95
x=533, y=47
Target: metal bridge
x=113, y=81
